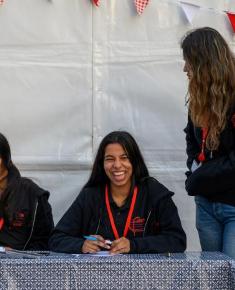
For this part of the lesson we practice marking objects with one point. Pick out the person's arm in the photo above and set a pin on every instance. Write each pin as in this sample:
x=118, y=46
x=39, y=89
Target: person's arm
x=171, y=236
x=192, y=147
x=215, y=176
x=67, y=235
x=43, y=225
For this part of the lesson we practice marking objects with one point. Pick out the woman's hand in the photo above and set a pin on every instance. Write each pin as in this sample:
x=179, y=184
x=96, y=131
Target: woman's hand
x=120, y=246
x=94, y=246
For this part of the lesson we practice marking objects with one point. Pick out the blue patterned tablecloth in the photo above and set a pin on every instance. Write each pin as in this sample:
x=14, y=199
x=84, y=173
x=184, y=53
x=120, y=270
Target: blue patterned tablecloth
x=189, y=271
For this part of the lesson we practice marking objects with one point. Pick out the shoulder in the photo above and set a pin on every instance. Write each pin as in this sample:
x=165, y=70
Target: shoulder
x=91, y=191
x=90, y=194
x=189, y=125
x=155, y=189
x=30, y=187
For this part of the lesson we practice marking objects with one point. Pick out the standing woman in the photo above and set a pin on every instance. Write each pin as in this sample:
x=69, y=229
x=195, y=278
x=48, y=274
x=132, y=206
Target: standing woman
x=210, y=137
x=121, y=203
x=25, y=214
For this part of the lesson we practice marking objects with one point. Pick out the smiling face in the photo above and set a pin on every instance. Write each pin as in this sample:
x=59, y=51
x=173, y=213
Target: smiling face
x=117, y=166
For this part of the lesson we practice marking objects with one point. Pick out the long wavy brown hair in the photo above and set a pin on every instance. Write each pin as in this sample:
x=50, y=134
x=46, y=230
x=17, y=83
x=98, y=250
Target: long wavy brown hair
x=211, y=91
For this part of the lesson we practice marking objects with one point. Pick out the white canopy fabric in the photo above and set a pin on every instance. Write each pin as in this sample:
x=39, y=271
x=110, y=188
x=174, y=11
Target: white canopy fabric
x=71, y=72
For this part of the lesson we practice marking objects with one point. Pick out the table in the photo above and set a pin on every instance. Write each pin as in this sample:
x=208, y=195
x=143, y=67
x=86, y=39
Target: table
x=191, y=270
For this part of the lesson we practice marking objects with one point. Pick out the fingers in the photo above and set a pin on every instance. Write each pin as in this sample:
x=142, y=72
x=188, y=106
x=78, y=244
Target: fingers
x=99, y=237
x=120, y=246
x=90, y=246
x=101, y=242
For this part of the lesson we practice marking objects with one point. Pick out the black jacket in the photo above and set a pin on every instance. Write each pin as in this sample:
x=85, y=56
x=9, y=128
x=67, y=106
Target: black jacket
x=27, y=216
x=154, y=211
x=215, y=178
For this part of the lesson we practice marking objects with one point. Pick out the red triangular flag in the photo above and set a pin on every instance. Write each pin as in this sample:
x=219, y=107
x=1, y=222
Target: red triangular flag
x=140, y=5
x=96, y=2
x=231, y=17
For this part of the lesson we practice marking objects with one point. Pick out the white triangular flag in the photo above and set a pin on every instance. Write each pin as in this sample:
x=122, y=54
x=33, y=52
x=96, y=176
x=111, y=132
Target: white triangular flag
x=189, y=9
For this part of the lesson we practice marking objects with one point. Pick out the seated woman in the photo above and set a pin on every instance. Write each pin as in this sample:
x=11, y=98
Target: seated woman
x=25, y=214
x=122, y=203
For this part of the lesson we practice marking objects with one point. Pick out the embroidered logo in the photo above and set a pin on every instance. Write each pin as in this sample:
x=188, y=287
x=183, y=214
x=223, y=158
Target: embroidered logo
x=137, y=225
x=233, y=120
x=19, y=219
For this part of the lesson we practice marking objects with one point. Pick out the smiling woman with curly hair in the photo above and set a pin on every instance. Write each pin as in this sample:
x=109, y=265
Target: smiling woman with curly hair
x=210, y=136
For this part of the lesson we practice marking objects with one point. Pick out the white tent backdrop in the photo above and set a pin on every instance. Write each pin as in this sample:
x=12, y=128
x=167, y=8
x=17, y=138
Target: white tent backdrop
x=71, y=72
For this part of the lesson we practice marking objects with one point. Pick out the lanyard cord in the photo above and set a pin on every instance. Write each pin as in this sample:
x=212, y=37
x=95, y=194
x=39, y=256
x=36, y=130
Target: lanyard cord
x=1, y=223
x=201, y=156
x=128, y=220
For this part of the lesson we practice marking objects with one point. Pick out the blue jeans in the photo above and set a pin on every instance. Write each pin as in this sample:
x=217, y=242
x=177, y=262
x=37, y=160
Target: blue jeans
x=215, y=223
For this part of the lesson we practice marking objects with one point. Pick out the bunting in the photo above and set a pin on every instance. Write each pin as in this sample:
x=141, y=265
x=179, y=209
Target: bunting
x=231, y=17
x=190, y=10
x=141, y=5
x=96, y=2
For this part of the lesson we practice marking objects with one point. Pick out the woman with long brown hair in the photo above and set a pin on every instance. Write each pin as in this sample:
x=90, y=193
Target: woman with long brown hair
x=120, y=203
x=210, y=137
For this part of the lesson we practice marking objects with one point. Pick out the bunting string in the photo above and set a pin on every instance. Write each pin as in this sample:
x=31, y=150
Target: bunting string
x=190, y=9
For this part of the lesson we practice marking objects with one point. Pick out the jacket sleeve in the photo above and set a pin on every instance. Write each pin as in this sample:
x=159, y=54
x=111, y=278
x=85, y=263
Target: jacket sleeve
x=67, y=235
x=215, y=176
x=192, y=147
x=43, y=225
x=170, y=238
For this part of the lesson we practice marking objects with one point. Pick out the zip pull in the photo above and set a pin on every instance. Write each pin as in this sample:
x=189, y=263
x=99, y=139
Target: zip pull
x=211, y=154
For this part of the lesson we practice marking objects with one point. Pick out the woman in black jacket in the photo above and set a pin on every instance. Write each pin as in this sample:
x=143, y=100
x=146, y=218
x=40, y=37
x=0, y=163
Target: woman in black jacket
x=210, y=137
x=25, y=214
x=122, y=204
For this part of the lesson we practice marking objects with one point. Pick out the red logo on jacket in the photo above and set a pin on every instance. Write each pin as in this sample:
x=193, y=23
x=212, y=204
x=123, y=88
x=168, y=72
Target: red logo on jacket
x=137, y=225
x=19, y=219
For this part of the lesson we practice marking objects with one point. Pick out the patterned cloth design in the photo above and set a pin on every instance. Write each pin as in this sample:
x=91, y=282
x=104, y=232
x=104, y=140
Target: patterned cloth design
x=202, y=271
x=233, y=273
x=140, y=5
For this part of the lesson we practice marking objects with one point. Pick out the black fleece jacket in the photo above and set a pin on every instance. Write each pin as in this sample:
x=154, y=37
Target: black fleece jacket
x=27, y=214
x=215, y=178
x=155, y=216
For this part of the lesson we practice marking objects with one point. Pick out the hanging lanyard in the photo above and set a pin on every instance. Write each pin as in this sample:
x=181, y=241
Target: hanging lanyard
x=1, y=223
x=128, y=220
x=201, y=156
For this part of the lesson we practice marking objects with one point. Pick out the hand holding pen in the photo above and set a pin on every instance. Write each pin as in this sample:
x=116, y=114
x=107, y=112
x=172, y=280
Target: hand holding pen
x=94, y=243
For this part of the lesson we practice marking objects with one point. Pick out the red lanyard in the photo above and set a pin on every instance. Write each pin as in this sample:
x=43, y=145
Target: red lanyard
x=128, y=220
x=1, y=223
x=201, y=156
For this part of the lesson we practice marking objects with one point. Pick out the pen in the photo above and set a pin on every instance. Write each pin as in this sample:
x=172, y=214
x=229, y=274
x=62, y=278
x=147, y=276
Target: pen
x=91, y=238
